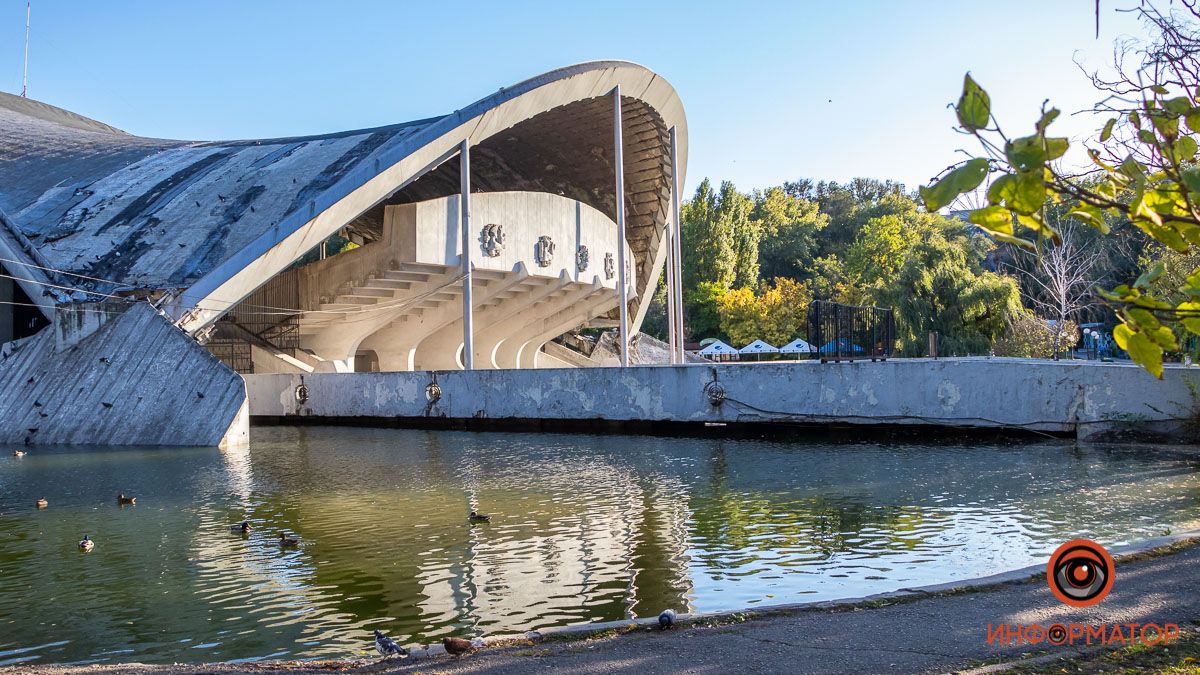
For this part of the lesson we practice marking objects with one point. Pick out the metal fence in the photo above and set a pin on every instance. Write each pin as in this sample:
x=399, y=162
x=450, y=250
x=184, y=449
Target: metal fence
x=847, y=332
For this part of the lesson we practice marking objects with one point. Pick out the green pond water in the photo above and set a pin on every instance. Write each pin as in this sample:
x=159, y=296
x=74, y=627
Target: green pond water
x=584, y=528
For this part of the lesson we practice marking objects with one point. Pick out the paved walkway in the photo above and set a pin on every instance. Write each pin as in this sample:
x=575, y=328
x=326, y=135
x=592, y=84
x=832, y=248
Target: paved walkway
x=935, y=634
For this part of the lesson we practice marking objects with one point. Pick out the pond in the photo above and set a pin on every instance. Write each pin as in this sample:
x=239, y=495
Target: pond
x=583, y=528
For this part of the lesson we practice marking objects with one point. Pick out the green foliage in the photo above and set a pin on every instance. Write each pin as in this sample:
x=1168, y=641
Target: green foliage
x=940, y=287
x=791, y=228
x=1146, y=174
x=777, y=315
x=1031, y=336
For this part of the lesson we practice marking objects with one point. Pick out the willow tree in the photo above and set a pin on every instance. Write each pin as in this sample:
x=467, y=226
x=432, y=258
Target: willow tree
x=1145, y=169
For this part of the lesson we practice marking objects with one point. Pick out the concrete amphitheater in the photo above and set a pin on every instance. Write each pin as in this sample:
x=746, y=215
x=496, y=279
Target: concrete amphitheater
x=140, y=278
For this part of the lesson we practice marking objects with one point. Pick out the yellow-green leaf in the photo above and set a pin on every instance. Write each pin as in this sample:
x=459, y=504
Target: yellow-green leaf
x=1047, y=117
x=1108, y=129
x=963, y=179
x=974, y=106
x=1092, y=215
x=993, y=219
x=1144, y=351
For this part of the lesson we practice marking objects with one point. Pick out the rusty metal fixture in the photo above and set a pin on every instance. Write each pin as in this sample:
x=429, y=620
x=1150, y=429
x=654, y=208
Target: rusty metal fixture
x=433, y=392
x=302, y=393
x=715, y=391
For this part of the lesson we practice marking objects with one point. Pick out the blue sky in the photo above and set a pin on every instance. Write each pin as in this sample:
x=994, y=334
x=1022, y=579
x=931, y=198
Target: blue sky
x=773, y=90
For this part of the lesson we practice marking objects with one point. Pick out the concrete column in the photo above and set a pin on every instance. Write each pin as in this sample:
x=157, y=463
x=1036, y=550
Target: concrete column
x=675, y=266
x=619, y=143
x=464, y=156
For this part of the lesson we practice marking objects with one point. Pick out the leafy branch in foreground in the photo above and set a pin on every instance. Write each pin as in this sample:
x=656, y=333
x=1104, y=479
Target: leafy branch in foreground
x=1145, y=170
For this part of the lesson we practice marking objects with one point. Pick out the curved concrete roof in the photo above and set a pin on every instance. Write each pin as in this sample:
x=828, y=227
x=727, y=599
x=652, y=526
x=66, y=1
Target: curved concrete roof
x=202, y=217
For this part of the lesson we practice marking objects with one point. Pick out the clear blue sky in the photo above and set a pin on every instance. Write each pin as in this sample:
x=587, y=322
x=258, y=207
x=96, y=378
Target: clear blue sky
x=773, y=90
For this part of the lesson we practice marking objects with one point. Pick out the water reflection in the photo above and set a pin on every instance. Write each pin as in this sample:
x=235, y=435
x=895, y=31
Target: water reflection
x=584, y=528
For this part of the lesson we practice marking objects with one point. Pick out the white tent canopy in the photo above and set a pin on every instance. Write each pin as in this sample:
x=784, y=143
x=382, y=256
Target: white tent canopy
x=718, y=348
x=798, y=346
x=758, y=347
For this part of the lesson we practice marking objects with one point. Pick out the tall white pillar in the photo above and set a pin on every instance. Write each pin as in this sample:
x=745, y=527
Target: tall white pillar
x=675, y=280
x=464, y=218
x=618, y=140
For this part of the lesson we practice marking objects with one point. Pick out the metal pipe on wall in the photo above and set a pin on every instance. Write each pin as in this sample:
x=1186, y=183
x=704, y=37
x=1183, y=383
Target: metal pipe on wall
x=464, y=218
x=618, y=140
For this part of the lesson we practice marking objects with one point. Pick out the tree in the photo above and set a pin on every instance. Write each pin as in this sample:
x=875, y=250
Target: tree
x=702, y=320
x=734, y=211
x=1146, y=171
x=707, y=241
x=778, y=315
x=1031, y=336
x=790, y=226
x=1061, y=279
x=939, y=287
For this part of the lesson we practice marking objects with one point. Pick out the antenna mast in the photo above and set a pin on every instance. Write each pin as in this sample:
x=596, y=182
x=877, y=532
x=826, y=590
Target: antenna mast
x=25, y=77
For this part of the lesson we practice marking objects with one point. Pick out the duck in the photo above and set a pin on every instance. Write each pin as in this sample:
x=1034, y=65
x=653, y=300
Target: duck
x=479, y=518
x=241, y=528
x=667, y=619
x=42, y=503
x=288, y=542
x=386, y=646
x=122, y=499
x=87, y=544
x=456, y=646
x=18, y=453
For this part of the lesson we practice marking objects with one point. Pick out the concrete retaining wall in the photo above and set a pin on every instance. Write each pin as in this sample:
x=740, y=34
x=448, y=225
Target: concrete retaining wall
x=134, y=379
x=1083, y=397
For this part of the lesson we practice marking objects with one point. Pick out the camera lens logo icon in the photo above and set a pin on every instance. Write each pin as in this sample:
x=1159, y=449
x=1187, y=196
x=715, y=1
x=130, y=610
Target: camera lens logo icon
x=1080, y=573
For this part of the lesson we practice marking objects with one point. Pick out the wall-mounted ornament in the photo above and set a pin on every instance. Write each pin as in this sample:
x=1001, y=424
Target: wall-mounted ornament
x=543, y=251
x=492, y=239
x=610, y=268
x=582, y=258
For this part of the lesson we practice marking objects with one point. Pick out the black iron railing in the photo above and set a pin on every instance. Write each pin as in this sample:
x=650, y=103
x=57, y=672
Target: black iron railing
x=847, y=332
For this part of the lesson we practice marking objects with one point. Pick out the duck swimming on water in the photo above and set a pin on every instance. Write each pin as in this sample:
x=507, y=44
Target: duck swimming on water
x=122, y=499
x=42, y=503
x=241, y=528
x=479, y=518
x=288, y=542
x=87, y=544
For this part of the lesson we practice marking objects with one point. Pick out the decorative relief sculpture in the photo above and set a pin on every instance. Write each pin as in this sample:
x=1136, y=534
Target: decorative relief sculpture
x=581, y=258
x=543, y=252
x=492, y=238
x=610, y=268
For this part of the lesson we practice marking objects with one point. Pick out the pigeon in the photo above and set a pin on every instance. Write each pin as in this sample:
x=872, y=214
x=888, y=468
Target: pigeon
x=87, y=544
x=122, y=499
x=241, y=528
x=386, y=646
x=288, y=542
x=456, y=646
x=666, y=619
x=106, y=404
x=479, y=517
x=105, y=359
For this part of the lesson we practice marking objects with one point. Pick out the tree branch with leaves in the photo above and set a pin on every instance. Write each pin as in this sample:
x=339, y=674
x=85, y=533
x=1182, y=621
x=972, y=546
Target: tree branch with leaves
x=1144, y=169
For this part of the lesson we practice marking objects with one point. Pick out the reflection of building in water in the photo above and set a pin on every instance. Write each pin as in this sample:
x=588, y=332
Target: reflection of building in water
x=568, y=557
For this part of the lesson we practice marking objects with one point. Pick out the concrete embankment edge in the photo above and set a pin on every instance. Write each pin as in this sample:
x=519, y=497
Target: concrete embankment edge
x=1121, y=554
x=1066, y=397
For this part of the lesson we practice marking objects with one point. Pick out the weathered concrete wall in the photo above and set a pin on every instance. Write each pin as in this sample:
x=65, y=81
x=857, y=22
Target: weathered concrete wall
x=1037, y=395
x=134, y=380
